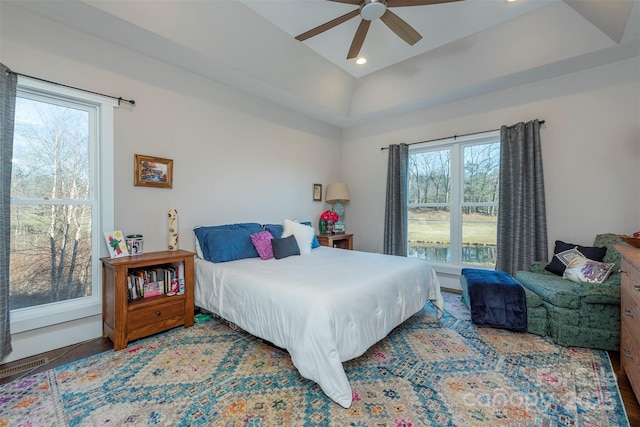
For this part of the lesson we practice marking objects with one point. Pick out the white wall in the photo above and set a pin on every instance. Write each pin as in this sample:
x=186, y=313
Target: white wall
x=236, y=157
x=590, y=142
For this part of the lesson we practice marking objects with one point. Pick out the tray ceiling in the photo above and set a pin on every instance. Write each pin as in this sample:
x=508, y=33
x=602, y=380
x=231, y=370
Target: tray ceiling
x=468, y=48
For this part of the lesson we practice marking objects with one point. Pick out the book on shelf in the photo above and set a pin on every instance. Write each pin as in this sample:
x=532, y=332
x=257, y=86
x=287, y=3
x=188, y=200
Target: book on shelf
x=153, y=289
x=166, y=279
x=131, y=288
x=169, y=276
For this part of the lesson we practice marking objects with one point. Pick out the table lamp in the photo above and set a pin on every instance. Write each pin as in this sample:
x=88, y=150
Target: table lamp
x=337, y=193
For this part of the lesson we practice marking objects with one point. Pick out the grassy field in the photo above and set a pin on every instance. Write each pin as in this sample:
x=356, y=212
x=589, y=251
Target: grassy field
x=433, y=228
x=429, y=238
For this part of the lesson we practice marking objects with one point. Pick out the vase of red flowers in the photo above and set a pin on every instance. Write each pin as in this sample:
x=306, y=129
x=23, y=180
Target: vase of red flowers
x=322, y=226
x=327, y=218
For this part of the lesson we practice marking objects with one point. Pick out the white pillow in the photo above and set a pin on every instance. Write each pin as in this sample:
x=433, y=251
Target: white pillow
x=581, y=269
x=567, y=256
x=198, y=250
x=302, y=233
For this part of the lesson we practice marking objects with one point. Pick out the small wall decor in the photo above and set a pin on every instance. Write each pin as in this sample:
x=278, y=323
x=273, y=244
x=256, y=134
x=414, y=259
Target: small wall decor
x=152, y=171
x=173, y=230
x=317, y=192
x=116, y=244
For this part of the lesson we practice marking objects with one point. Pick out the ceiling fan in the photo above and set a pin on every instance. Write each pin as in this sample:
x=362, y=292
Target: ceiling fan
x=368, y=11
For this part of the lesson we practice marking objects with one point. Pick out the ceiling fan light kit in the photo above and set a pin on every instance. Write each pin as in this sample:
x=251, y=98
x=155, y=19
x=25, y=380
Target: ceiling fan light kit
x=372, y=9
x=368, y=11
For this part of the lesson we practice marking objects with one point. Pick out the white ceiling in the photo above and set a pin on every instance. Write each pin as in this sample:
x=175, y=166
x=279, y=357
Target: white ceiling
x=468, y=48
x=439, y=25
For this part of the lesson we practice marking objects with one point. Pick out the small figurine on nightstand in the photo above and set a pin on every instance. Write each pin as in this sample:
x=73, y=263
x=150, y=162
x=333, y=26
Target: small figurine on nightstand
x=173, y=229
x=338, y=228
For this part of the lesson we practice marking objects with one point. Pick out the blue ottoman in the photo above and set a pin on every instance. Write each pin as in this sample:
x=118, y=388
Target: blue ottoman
x=497, y=299
x=536, y=313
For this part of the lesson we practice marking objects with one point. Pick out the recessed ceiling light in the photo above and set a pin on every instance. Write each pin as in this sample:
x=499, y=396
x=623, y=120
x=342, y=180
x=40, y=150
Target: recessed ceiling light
x=361, y=61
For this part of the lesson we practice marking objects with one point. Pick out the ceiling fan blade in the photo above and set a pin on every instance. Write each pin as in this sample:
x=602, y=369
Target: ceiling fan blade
x=328, y=25
x=358, y=39
x=400, y=3
x=400, y=27
x=356, y=2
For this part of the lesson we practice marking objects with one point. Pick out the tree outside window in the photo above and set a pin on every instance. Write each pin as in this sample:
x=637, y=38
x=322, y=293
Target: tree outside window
x=51, y=206
x=453, y=201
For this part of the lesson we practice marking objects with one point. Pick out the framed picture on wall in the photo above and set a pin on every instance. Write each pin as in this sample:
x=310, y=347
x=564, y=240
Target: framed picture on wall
x=149, y=171
x=317, y=192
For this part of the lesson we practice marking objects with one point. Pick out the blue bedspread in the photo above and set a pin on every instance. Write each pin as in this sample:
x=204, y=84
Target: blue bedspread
x=496, y=299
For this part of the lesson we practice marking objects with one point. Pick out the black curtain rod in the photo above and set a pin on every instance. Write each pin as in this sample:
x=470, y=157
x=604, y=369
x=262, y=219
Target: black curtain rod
x=454, y=136
x=119, y=98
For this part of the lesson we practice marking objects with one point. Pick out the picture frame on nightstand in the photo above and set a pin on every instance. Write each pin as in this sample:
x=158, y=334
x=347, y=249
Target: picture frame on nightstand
x=116, y=244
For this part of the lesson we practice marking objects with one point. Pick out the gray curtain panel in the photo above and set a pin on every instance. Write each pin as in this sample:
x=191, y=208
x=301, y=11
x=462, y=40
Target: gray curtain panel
x=8, y=82
x=522, y=218
x=396, y=222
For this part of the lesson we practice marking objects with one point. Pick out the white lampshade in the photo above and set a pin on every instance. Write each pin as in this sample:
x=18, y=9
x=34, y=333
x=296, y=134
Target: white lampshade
x=337, y=191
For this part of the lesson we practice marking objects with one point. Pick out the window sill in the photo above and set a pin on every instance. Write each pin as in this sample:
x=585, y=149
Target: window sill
x=27, y=319
x=455, y=269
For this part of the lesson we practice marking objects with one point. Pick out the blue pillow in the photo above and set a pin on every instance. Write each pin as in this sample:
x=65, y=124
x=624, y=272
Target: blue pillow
x=251, y=226
x=228, y=242
x=276, y=230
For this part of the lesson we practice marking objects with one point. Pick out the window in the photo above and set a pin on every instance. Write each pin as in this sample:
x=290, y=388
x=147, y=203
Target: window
x=453, y=200
x=61, y=184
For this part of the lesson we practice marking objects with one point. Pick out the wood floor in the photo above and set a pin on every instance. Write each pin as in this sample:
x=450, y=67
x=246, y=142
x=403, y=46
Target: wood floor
x=630, y=402
x=75, y=352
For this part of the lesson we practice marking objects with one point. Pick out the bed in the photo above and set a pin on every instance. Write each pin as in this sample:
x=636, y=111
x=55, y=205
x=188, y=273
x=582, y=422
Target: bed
x=325, y=307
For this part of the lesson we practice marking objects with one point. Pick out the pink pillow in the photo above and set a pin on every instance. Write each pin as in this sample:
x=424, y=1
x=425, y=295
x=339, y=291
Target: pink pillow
x=262, y=242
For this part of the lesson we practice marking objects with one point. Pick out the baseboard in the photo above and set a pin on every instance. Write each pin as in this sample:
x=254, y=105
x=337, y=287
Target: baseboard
x=36, y=341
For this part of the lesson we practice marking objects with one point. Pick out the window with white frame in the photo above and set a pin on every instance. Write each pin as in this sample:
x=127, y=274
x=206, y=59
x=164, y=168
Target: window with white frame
x=61, y=198
x=453, y=200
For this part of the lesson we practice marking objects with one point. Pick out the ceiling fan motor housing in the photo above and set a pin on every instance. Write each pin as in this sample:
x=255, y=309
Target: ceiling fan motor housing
x=372, y=9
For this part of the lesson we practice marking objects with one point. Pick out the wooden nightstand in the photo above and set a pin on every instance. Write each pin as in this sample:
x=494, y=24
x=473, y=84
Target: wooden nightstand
x=342, y=241
x=125, y=320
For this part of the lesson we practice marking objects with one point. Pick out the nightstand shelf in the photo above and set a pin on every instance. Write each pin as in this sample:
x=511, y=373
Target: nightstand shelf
x=125, y=320
x=342, y=241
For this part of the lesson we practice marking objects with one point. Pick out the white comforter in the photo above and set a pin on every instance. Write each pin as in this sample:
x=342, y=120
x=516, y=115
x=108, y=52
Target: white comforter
x=324, y=308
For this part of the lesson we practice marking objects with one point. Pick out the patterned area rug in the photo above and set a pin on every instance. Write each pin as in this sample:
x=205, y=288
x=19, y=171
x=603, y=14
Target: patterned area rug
x=425, y=373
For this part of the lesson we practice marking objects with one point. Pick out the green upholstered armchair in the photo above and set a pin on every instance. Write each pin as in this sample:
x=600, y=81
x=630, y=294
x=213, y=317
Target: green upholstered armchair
x=580, y=314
